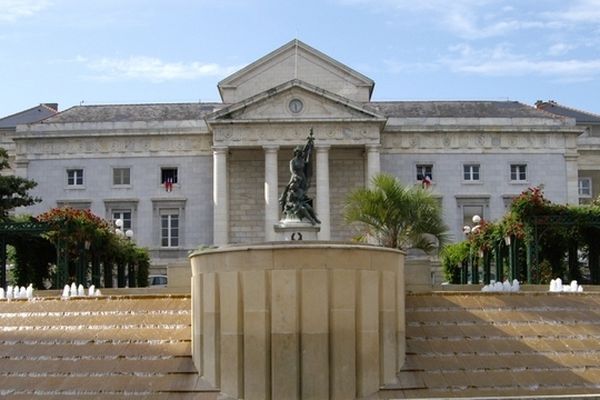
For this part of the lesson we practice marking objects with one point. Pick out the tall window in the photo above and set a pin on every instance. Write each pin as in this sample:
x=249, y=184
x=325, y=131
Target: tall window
x=121, y=176
x=471, y=172
x=169, y=228
x=424, y=170
x=75, y=177
x=518, y=172
x=585, y=187
x=123, y=215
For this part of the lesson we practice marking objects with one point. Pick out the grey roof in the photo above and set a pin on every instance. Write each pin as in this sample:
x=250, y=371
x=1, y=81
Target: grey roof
x=458, y=109
x=135, y=112
x=30, y=115
x=582, y=117
x=399, y=109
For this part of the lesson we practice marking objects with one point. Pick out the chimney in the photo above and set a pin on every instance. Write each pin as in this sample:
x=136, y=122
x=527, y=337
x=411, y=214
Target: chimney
x=53, y=106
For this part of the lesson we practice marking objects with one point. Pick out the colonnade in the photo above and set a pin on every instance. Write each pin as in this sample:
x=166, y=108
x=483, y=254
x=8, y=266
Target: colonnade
x=271, y=195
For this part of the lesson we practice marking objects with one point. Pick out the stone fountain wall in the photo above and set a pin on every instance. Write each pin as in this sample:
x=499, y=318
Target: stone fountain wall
x=298, y=321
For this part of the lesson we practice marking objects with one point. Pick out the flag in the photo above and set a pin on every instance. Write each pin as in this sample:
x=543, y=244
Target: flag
x=426, y=182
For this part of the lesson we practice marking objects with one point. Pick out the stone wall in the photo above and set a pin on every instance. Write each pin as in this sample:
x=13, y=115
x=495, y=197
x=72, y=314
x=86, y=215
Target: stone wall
x=346, y=173
x=246, y=193
x=494, y=187
x=298, y=321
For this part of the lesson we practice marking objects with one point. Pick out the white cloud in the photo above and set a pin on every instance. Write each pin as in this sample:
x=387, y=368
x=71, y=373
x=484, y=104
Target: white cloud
x=482, y=19
x=580, y=11
x=153, y=69
x=12, y=10
x=558, y=49
x=500, y=61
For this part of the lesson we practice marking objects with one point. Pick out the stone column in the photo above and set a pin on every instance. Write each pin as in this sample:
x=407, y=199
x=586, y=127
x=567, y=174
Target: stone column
x=373, y=162
x=271, y=194
x=220, y=197
x=323, y=206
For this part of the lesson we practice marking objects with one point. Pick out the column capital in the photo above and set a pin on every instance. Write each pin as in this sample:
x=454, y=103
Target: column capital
x=373, y=147
x=322, y=147
x=270, y=148
x=220, y=149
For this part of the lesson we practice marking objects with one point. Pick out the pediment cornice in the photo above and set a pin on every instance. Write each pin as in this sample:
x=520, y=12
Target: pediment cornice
x=338, y=108
x=295, y=47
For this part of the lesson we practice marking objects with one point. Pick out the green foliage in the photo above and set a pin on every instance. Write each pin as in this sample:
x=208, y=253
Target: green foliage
x=396, y=216
x=14, y=190
x=553, y=228
x=73, y=229
x=452, y=257
x=142, y=261
x=33, y=257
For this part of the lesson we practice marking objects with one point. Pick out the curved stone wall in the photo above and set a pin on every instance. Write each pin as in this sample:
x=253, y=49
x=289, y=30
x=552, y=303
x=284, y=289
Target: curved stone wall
x=298, y=321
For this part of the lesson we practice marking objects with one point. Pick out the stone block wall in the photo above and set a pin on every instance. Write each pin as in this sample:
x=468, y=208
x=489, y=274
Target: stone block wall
x=347, y=173
x=246, y=194
x=298, y=321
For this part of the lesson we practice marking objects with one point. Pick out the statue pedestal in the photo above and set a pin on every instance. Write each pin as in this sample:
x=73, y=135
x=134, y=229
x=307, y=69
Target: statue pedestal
x=295, y=229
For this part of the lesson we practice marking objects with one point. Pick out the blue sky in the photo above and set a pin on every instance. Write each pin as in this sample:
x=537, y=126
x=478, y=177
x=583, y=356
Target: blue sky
x=151, y=51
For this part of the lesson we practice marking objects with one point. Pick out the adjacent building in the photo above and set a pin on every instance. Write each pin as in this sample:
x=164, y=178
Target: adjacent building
x=185, y=175
x=8, y=127
x=588, y=147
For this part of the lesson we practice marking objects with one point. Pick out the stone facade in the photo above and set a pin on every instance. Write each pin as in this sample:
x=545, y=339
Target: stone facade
x=230, y=160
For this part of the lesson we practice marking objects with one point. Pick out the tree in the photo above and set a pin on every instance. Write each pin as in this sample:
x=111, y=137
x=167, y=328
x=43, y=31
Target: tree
x=397, y=216
x=14, y=189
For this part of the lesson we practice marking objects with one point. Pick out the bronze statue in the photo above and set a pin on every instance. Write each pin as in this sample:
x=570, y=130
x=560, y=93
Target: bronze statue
x=295, y=204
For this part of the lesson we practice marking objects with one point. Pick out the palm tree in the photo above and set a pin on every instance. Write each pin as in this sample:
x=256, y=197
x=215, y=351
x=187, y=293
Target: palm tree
x=397, y=216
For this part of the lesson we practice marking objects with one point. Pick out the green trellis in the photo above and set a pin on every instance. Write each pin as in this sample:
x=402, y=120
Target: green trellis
x=10, y=230
x=541, y=223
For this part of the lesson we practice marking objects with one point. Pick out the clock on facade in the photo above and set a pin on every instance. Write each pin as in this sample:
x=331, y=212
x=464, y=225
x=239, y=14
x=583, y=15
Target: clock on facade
x=295, y=105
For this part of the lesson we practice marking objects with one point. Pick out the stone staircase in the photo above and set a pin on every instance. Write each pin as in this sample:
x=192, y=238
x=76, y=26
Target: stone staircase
x=476, y=345
x=496, y=345
x=101, y=348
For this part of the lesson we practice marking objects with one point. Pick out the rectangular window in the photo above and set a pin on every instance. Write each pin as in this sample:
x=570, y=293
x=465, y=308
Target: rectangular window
x=125, y=216
x=585, y=187
x=75, y=177
x=518, y=172
x=121, y=176
x=424, y=170
x=471, y=172
x=169, y=228
x=168, y=175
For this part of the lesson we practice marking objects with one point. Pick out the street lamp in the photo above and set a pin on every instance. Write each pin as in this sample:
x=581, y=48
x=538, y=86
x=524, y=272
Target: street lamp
x=468, y=230
x=130, y=266
x=119, y=225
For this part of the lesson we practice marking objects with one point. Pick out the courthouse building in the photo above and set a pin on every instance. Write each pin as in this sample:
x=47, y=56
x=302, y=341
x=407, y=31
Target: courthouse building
x=185, y=175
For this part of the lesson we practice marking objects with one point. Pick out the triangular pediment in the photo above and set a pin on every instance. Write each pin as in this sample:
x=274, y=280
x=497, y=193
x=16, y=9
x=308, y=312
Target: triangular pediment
x=296, y=60
x=295, y=101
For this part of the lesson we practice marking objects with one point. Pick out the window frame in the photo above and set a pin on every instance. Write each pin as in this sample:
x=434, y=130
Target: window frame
x=579, y=192
x=113, y=206
x=127, y=222
x=471, y=172
x=419, y=172
x=160, y=206
x=78, y=175
x=169, y=216
x=518, y=172
x=121, y=184
x=163, y=178
x=471, y=200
